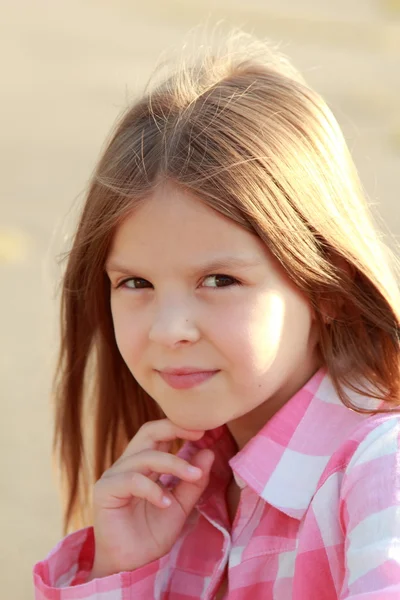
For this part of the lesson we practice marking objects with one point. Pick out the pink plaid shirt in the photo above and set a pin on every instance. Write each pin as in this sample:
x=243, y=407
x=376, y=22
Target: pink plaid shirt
x=318, y=518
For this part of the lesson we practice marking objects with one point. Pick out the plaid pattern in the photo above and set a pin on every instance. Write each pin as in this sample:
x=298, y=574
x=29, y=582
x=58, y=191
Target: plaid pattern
x=319, y=516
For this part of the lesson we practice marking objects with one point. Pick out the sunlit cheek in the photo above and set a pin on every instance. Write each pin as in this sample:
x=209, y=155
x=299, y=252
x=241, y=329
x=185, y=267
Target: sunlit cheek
x=128, y=335
x=266, y=331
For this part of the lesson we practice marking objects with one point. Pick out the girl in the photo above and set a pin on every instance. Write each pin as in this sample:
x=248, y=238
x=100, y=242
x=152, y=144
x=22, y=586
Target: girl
x=226, y=294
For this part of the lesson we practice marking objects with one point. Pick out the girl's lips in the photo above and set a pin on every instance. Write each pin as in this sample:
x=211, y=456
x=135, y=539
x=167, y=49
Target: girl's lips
x=185, y=381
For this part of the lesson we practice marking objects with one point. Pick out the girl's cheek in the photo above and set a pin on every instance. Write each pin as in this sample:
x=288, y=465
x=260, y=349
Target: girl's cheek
x=128, y=335
x=265, y=330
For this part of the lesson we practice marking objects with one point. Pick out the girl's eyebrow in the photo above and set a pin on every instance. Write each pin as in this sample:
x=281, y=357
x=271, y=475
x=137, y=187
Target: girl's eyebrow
x=229, y=262
x=113, y=265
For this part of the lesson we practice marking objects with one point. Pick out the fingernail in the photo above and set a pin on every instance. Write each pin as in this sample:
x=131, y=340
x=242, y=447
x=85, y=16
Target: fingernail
x=166, y=501
x=194, y=470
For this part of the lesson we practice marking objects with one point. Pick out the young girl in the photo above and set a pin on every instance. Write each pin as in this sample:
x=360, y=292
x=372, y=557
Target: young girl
x=230, y=354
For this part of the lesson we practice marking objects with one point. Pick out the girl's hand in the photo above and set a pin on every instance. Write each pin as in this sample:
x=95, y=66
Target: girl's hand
x=133, y=523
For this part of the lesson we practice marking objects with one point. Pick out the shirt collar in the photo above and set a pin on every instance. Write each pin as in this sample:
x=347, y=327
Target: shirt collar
x=284, y=462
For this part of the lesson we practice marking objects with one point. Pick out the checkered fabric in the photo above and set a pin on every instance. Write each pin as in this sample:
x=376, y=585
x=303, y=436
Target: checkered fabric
x=318, y=518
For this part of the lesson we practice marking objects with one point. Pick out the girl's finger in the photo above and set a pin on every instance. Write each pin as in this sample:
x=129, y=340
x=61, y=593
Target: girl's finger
x=154, y=463
x=122, y=489
x=154, y=432
x=188, y=493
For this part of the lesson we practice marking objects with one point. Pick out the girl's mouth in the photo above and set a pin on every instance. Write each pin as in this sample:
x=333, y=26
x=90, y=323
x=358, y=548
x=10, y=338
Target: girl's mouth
x=181, y=380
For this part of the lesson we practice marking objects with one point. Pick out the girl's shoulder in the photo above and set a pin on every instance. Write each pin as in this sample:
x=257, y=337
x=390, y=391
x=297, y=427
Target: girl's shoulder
x=375, y=438
x=378, y=435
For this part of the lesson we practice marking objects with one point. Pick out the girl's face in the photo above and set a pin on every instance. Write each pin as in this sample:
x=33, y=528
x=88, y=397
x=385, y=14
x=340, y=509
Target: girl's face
x=191, y=289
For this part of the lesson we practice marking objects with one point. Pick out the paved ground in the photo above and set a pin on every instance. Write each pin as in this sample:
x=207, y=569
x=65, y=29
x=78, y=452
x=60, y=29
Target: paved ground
x=67, y=69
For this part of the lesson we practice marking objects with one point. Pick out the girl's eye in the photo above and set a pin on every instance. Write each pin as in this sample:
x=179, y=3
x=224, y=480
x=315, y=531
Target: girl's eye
x=217, y=281
x=134, y=283
x=211, y=281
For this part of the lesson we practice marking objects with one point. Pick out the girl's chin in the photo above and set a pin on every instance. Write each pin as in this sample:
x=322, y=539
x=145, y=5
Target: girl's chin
x=193, y=424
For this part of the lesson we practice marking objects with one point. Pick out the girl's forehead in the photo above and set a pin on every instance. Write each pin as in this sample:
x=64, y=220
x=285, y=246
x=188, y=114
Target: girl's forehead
x=173, y=224
x=172, y=204
x=173, y=217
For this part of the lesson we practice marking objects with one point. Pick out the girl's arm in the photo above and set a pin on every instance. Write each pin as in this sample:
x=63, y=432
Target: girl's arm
x=65, y=571
x=370, y=511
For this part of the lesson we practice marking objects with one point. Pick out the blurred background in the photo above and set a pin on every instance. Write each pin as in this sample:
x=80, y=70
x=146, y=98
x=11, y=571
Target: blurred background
x=68, y=68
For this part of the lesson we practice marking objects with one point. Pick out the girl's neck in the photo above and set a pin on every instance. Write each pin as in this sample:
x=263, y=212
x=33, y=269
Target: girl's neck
x=247, y=426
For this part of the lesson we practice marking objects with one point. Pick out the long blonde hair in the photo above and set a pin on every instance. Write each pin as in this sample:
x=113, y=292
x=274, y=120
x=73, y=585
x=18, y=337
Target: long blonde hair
x=241, y=129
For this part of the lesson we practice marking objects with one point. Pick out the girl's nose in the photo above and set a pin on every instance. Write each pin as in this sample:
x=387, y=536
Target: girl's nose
x=173, y=326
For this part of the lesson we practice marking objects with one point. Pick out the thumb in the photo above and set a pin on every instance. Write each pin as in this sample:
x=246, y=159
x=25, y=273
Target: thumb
x=187, y=493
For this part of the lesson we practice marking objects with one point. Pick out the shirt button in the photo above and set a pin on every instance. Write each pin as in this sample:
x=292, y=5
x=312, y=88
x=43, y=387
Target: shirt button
x=239, y=481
